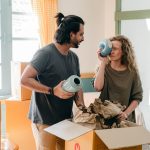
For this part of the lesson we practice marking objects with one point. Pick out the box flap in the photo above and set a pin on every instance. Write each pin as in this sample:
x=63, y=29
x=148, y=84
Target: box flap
x=124, y=137
x=67, y=130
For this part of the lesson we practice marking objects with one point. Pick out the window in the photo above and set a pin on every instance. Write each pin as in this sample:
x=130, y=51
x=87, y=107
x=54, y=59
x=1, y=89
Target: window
x=19, y=38
x=24, y=31
x=128, y=5
x=133, y=21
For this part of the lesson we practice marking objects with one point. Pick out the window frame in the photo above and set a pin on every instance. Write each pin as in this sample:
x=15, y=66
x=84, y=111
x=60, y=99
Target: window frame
x=7, y=45
x=128, y=15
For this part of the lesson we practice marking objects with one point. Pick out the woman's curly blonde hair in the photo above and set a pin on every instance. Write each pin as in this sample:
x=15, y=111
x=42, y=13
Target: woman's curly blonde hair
x=128, y=57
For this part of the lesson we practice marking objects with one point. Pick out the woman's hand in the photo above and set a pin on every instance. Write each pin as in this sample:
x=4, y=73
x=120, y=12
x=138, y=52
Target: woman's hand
x=104, y=60
x=122, y=116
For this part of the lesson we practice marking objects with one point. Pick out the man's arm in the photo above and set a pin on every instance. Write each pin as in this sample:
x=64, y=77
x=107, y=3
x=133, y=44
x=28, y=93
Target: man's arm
x=28, y=81
x=79, y=100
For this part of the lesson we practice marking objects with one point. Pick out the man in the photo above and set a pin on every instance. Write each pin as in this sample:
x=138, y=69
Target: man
x=44, y=76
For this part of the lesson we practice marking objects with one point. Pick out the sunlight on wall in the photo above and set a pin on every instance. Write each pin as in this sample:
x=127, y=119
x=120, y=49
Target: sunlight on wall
x=148, y=24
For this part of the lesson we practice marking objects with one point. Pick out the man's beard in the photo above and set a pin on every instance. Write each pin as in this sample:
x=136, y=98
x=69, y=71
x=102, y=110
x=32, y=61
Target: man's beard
x=75, y=44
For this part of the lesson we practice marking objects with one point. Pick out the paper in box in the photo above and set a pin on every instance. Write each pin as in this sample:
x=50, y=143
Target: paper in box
x=78, y=137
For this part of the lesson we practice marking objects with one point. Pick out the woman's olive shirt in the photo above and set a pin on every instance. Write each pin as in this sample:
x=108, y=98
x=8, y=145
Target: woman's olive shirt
x=122, y=86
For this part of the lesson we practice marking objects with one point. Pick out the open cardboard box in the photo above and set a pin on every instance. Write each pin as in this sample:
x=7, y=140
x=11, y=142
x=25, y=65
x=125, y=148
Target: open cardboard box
x=18, y=92
x=78, y=137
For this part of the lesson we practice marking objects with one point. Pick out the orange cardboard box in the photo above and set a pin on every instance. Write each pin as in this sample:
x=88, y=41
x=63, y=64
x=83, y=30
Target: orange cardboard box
x=78, y=137
x=18, y=92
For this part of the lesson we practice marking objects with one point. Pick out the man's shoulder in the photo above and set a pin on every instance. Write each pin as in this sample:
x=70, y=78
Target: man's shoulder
x=48, y=47
x=73, y=53
x=46, y=50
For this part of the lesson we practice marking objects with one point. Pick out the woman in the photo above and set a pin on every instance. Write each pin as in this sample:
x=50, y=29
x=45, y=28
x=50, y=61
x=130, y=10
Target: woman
x=117, y=77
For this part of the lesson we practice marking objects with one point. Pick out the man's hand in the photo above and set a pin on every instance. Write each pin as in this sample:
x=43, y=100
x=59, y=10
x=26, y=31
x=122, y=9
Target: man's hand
x=82, y=108
x=59, y=92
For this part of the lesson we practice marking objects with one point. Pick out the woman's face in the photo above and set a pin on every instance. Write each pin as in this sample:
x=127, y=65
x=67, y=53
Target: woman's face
x=116, y=53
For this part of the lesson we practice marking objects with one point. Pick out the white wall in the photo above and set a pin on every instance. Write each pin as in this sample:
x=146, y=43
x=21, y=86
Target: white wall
x=99, y=24
x=110, y=18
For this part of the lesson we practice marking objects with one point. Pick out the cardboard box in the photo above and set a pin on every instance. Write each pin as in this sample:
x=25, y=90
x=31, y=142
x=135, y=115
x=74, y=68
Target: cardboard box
x=78, y=137
x=18, y=92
